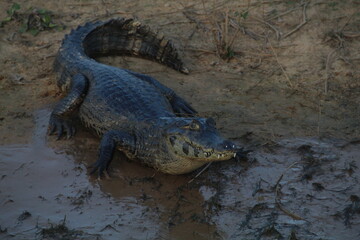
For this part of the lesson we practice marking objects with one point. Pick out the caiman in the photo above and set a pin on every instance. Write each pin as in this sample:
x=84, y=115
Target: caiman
x=131, y=112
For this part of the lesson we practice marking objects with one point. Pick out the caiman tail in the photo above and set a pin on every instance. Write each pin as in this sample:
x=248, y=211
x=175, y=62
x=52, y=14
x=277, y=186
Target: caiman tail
x=122, y=37
x=113, y=37
x=130, y=37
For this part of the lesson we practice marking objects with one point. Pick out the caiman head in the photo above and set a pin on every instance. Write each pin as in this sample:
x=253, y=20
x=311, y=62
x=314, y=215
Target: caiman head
x=194, y=142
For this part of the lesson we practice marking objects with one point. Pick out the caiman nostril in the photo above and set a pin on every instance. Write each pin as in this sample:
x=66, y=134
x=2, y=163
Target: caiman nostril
x=228, y=145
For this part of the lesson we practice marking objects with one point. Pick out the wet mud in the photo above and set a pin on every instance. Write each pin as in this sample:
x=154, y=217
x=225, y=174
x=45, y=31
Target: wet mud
x=42, y=188
x=299, y=188
x=293, y=100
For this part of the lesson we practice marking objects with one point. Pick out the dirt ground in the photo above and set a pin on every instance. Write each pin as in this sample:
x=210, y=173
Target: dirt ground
x=280, y=77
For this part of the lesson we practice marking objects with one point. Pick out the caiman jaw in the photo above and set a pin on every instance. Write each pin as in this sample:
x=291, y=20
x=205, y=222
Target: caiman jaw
x=193, y=151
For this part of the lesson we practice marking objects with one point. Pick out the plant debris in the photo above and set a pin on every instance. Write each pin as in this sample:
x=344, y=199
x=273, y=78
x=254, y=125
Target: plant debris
x=40, y=20
x=34, y=20
x=12, y=13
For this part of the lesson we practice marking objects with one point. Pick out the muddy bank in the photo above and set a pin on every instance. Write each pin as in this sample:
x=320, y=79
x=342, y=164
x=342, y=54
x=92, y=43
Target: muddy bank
x=291, y=98
x=300, y=188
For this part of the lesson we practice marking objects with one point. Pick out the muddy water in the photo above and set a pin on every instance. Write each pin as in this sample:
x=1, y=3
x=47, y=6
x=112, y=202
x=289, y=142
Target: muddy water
x=41, y=186
x=299, y=188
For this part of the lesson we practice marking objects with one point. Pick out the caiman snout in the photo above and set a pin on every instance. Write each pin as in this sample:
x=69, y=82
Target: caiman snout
x=224, y=151
x=228, y=145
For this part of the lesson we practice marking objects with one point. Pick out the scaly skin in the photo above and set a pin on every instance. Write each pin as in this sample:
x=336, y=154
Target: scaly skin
x=130, y=111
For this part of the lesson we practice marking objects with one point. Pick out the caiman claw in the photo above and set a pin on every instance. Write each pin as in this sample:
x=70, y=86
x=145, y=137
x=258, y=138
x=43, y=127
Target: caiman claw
x=99, y=169
x=59, y=126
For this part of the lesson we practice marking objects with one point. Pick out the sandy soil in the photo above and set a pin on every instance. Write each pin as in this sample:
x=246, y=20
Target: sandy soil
x=289, y=92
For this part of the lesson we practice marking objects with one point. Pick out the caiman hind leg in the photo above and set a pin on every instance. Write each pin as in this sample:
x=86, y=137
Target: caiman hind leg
x=179, y=105
x=110, y=141
x=60, y=119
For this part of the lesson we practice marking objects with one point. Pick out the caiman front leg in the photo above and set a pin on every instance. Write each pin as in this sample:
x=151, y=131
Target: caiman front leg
x=60, y=119
x=179, y=105
x=110, y=141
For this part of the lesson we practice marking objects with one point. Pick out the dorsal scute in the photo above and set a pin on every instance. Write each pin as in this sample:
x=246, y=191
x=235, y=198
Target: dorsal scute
x=125, y=36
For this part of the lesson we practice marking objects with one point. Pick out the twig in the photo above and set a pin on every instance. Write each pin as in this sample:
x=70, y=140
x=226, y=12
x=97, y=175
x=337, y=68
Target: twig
x=200, y=50
x=257, y=54
x=301, y=24
x=319, y=119
x=294, y=216
x=277, y=197
x=351, y=34
x=328, y=66
x=211, y=9
x=21, y=166
x=349, y=60
x=283, y=13
x=226, y=28
x=278, y=33
x=212, y=21
x=198, y=23
x=253, y=35
x=108, y=14
x=254, y=86
x=202, y=170
x=347, y=21
x=44, y=46
x=257, y=64
x=342, y=190
x=339, y=35
x=164, y=13
x=231, y=43
x=49, y=56
x=82, y=4
x=174, y=22
x=189, y=37
x=282, y=68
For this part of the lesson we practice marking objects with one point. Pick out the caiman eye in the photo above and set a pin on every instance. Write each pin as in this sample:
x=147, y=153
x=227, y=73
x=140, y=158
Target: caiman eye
x=194, y=125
